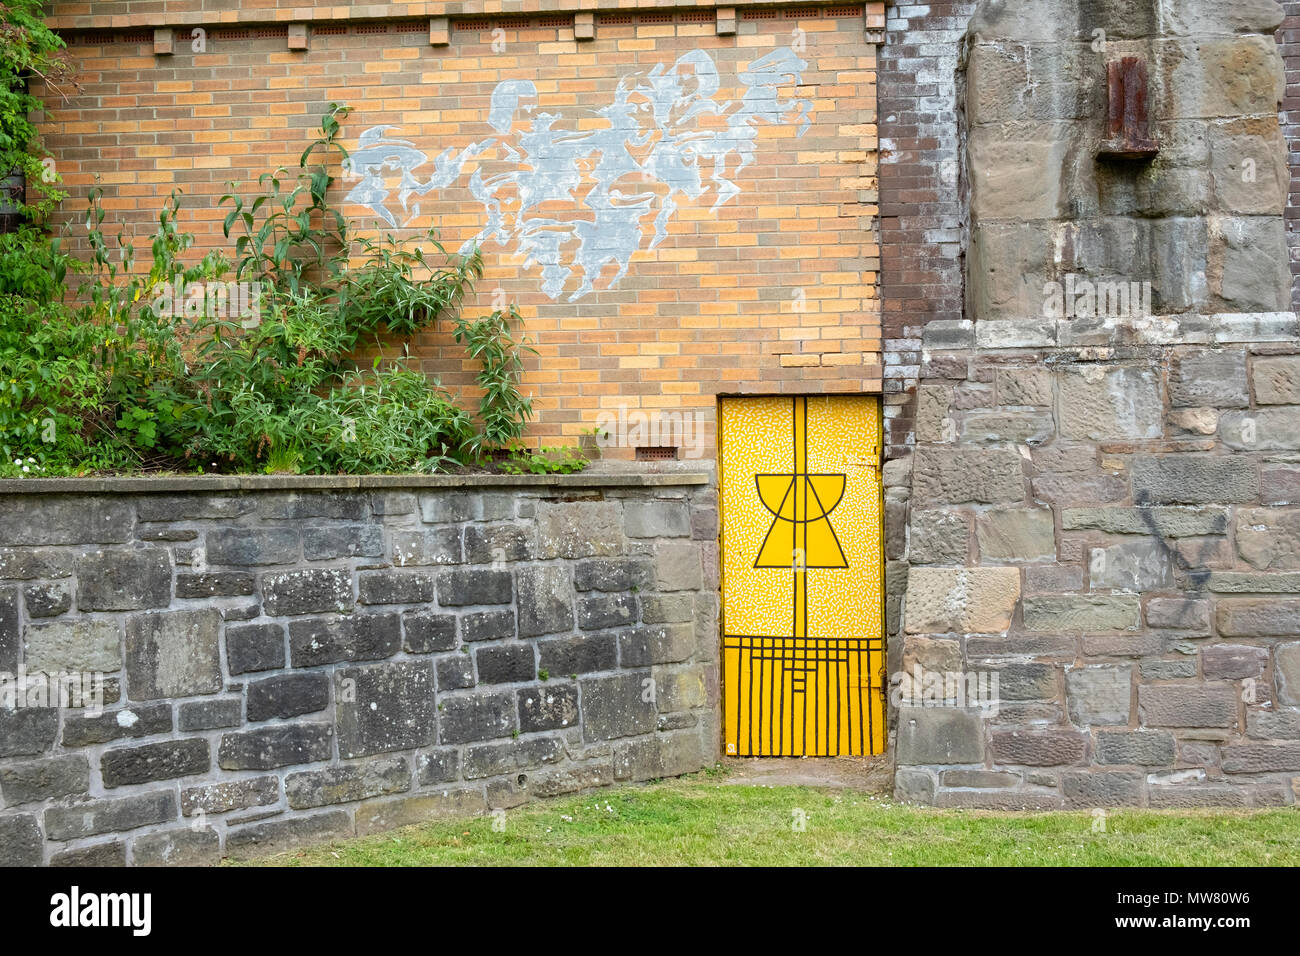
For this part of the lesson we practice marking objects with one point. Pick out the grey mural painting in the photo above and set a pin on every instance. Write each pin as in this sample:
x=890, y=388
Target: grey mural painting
x=574, y=193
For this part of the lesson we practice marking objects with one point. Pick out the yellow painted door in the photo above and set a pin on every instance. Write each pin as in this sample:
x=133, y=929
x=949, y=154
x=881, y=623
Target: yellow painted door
x=802, y=569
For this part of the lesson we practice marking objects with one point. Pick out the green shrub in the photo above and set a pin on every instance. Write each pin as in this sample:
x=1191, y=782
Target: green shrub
x=137, y=373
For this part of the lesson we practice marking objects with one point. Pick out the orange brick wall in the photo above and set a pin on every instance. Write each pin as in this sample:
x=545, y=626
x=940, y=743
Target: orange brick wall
x=773, y=292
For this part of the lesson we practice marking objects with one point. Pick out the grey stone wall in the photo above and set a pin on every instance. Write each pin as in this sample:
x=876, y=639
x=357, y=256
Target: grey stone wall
x=286, y=663
x=1101, y=507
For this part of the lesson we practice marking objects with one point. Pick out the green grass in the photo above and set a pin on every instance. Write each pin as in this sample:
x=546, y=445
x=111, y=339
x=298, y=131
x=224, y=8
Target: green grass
x=700, y=822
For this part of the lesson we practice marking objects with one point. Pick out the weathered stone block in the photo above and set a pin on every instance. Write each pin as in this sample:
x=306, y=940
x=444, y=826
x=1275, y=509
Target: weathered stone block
x=124, y=579
x=173, y=654
x=429, y=546
x=307, y=591
x=395, y=587
x=455, y=672
x=474, y=586
x=677, y=566
x=343, y=541
x=161, y=761
x=254, y=647
x=344, y=784
x=657, y=518
x=230, y=795
x=1071, y=475
x=479, y=717
x=615, y=574
x=505, y=663
x=198, y=715
x=81, y=730
x=251, y=546
x=1099, y=695
x=1016, y=535
x=384, y=707
x=287, y=834
x=496, y=544
x=1204, y=377
x=214, y=584
x=617, y=706
x=1287, y=667
x=1138, y=566
x=1206, y=705
x=1261, y=758
x=449, y=507
x=1277, y=380
x=548, y=707
x=375, y=816
x=967, y=475
x=361, y=637
x=578, y=655
x=545, y=600
x=45, y=779
x=1263, y=618
x=87, y=646
x=21, y=843
x=276, y=746
x=965, y=600
x=287, y=695
x=578, y=529
x=46, y=600
x=63, y=519
x=433, y=767
x=1171, y=522
x=1039, y=748
x=1185, y=614
x=1194, y=479
x=1082, y=613
x=1145, y=748
x=427, y=632
x=1269, y=538
x=181, y=847
x=1262, y=429
x=659, y=644
x=1098, y=403
x=606, y=610
x=488, y=760
x=1233, y=661
x=91, y=817
x=939, y=735
x=1084, y=789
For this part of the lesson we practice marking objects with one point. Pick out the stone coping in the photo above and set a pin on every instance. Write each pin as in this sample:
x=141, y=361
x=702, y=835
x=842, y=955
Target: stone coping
x=208, y=483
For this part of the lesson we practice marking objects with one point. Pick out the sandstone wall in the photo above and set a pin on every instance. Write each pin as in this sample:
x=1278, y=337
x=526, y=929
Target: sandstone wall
x=296, y=660
x=1100, y=508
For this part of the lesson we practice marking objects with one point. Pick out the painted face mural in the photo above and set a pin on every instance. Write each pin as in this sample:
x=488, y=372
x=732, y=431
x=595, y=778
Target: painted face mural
x=574, y=194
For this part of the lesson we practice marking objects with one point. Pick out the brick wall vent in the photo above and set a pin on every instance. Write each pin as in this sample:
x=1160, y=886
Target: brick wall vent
x=412, y=26
x=614, y=18
x=136, y=36
x=515, y=23
x=655, y=18
x=657, y=453
x=696, y=16
x=234, y=34
x=469, y=26
x=334, y=31
x=555, y=21
x=372, y=27
x=264, y=33
x=758, y=14
x=843, y=11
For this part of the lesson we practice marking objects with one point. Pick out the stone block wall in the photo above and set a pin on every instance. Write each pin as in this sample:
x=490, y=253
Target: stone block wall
x=1099, y=507
x=296, y=660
